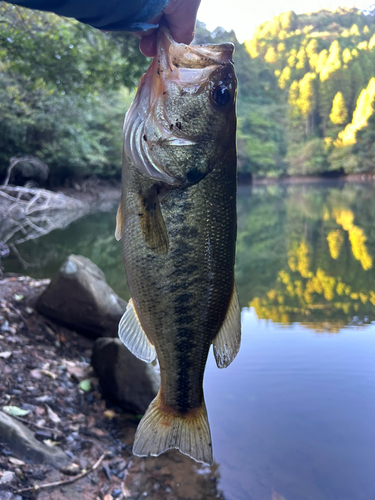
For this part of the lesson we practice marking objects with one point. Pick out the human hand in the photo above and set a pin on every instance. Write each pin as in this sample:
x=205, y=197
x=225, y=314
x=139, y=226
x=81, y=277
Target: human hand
x=180, y=16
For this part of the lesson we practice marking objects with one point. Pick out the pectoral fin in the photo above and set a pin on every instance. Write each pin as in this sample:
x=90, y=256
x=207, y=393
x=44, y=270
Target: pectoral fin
x=152, y=223
x=227, y=342
x=118, y=230
x=131, y=333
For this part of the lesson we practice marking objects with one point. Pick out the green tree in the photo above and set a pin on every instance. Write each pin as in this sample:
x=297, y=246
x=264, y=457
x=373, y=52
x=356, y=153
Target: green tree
x=364, y=147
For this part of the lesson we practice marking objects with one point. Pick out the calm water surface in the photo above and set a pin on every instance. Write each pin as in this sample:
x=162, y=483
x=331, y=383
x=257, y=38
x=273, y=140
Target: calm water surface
x=294, y=416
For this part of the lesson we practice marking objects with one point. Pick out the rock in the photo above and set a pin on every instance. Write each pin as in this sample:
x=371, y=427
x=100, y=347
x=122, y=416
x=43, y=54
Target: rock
x=7, y=477
x=24, y=445
x=80, y=298
x=127, y=380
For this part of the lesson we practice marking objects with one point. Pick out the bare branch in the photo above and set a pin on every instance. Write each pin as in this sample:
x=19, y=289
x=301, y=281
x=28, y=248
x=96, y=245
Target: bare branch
x=28, y=213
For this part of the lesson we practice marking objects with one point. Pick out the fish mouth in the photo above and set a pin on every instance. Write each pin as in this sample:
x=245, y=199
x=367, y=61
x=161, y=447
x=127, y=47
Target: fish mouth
x=187, y=65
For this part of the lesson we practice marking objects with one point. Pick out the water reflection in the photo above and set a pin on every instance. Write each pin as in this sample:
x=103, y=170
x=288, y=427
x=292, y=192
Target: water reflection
x=294, y=413
x=293, y=416
x=305, y=254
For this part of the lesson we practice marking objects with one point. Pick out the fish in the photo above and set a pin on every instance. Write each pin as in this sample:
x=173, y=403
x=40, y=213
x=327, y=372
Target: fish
x=177, y=223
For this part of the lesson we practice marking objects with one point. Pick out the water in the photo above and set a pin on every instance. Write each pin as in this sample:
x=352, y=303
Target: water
x=293, y=416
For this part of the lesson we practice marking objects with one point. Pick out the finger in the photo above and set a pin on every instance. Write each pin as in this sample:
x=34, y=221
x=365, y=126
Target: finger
x=181, y=17
x=147, y=45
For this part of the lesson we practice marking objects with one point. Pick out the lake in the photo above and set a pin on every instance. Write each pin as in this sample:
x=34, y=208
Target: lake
x=294, y=416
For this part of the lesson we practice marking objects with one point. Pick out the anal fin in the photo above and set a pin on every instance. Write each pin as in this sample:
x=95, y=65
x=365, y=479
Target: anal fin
x=131, y=334
x=162, y=429
x=227, y=342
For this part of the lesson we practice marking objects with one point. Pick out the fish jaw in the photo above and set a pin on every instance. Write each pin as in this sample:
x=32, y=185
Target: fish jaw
x=151, y=129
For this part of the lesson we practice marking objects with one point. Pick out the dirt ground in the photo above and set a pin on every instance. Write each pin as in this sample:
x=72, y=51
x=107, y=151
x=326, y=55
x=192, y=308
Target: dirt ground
x=45, y=371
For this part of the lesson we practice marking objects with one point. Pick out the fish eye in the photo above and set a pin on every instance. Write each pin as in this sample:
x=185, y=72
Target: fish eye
x=221, y=95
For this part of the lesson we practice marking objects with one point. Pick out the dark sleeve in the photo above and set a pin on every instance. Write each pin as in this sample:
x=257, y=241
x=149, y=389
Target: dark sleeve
x=109, y=15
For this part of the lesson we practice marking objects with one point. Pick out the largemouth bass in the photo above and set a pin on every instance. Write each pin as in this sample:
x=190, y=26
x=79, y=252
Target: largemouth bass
x=177, y=222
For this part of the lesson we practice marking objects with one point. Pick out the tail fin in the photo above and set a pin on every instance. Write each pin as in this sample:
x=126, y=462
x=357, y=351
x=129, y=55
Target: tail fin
x=159, y=431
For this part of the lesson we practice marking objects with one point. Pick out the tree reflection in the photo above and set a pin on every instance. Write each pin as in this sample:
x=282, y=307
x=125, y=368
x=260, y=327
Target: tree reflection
x=325, y=277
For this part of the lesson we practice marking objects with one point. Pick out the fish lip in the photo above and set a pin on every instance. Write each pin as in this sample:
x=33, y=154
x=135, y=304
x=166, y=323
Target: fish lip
x=192, y=56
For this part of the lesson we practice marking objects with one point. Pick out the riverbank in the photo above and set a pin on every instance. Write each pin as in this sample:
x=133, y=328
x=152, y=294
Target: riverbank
x=366, y=177
x=47, y=374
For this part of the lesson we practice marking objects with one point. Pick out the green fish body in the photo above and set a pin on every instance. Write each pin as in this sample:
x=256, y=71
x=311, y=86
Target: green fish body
x=177, y=223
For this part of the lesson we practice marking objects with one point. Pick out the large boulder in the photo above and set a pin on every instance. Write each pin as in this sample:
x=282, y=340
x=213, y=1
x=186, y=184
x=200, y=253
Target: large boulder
x=23, y=444
x=125, y=379
x=80, y=298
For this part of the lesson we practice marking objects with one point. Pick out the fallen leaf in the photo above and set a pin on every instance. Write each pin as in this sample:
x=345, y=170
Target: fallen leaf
x=53, y=376
x=110, y=414
x=5, y=354
x=39, y=410
x=49, y=442
x=90, y=422
x=52, y=415
x=79, y=418
x=85, y=385
x=16, y=461
x=97, y=432
x=75, y=372
x=71, y=470
x=108, y=496
x=15, y=411
x=125, y=491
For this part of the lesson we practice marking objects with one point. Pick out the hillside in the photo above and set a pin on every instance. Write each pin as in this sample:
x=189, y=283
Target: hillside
x=308, y=107
x=305, y=98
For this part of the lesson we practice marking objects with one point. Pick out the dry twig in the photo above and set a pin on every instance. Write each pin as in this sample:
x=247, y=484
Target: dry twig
x=37, y=487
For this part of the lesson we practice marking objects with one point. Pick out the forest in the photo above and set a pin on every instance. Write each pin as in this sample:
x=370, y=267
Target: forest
x=305, y=97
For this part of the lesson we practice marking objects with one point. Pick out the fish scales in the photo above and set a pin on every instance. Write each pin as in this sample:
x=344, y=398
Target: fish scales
x=177, y=221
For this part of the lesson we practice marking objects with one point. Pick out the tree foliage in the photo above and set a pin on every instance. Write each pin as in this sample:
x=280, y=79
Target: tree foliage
x=324, y=73
x=62, y=96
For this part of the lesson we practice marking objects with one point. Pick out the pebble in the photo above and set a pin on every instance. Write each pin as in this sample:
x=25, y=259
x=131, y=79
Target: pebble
x=7, y=477
x=5, y=326
x=70, y=439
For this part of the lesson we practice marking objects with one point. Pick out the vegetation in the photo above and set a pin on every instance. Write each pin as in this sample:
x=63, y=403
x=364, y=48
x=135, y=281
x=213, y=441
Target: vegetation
x=63, y=92
x=306, y=254
x=319, y=70
x=305, y=98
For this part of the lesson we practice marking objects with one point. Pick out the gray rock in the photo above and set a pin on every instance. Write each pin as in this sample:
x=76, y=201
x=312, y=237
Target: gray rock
x=80, y=298
x=23, y=444
x=127, y=380
x=7, y=477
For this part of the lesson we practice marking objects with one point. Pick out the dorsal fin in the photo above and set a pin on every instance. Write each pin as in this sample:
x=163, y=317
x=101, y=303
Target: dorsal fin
x=131, y=333
x=227, y=342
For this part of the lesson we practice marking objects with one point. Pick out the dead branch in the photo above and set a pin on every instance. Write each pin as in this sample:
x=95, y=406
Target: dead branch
x=29, y=166
x=37, y=487
x=27, y=213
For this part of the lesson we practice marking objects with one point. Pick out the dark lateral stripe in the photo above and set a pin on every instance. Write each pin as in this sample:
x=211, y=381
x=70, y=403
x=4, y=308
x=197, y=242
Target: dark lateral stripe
x=183, y=298
x=184, y=364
